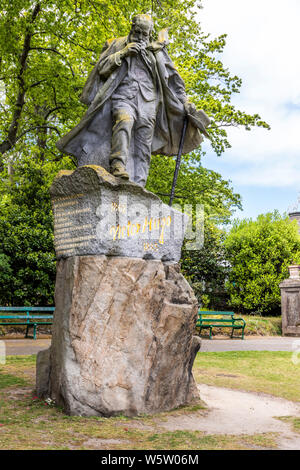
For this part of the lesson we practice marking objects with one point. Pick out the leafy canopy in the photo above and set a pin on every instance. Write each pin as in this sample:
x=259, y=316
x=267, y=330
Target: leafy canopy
x=27, y=260
x=207, y=270
x=47, y=49
x=259, y=252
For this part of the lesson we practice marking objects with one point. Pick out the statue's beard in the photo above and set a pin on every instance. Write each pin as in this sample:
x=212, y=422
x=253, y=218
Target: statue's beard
x=143, y=43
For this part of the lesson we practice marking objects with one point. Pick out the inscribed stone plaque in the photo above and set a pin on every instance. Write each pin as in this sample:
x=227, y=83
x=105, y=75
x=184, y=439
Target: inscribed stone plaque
x=97, y=213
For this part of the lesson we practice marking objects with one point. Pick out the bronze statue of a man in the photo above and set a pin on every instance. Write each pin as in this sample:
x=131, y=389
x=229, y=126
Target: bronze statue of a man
x=137, y=104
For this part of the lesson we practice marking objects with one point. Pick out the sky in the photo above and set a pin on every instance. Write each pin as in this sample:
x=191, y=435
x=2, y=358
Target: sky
x=262, y=48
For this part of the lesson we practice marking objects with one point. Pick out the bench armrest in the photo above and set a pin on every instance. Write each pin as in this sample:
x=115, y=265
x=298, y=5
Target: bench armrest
x=239, y=319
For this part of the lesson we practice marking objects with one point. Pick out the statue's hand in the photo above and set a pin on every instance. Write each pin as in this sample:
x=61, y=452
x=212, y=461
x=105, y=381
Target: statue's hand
x=131, y=49
x=189, y=107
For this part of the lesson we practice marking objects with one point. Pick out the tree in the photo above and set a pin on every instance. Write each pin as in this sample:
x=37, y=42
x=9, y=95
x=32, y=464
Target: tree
x=259, y=253
x=27, y=258
x=47, y=49
x=195, y=185
x=207, y=269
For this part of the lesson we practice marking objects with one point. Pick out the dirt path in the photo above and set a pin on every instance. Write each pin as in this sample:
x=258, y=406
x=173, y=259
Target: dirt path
x=236, y=412
x=23, y=346
x=250, y=343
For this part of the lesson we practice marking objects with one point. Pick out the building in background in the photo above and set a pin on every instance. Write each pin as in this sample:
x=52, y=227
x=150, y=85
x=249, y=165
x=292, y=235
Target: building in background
x=294, y=212
x=295, y=215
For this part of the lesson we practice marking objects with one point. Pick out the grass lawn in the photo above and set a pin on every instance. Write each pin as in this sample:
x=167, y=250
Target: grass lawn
x=294, y=421
x=257, y=371
x=263, y=326
x=29, y=423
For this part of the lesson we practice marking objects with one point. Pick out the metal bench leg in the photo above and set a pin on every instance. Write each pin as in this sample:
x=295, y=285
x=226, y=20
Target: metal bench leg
x=232, y=332
x=27, y=329
x=34, y=331
x=210, y=330
x=243, y=332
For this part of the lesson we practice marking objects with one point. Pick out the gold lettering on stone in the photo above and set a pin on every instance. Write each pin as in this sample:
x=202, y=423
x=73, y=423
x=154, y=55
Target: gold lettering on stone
x=75, y=196
x=117, y=231
x=151, y=246
x=118, y=207
x=70, y=250
x=72, y=241
x=64, y=214
x=62, y=225
x=66, y=230
x=60, y=231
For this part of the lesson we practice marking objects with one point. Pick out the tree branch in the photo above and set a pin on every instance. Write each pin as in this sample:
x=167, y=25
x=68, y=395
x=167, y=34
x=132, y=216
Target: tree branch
x=52, y=111
x=60, y=36
x=11, y=138
x=38, y=83
x=32, y=128
x=51, y=49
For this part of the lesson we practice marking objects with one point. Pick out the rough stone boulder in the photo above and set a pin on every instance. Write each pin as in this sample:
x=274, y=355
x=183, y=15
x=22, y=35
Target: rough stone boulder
x=122, y=337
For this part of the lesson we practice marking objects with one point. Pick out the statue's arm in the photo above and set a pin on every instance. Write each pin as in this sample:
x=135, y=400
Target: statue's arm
x=178, y=87
x=189, y=106
x=175, y=82
x=198, y=118
x=108, y=62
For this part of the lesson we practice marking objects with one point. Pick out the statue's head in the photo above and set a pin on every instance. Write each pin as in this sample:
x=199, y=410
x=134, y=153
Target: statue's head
x=141, y=29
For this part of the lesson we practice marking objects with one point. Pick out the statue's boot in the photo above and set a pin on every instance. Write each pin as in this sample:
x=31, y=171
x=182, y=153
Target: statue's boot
x=119, y=171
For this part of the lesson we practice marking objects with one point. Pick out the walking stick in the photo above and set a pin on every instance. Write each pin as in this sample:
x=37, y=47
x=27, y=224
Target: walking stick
x=178, y=159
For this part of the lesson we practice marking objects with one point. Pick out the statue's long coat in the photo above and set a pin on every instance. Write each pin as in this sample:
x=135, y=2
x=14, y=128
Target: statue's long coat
x=90, y=140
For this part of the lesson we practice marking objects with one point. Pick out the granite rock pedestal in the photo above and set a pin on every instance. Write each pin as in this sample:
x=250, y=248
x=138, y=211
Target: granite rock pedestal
x=123, y=332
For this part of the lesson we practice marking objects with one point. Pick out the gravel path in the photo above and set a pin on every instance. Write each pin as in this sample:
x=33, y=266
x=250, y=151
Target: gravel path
x=250, y=343
x=21, y=347
x=237, y=412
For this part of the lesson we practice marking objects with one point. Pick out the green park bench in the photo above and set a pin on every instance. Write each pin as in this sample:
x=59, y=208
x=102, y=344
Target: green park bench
x=29, y=316
x=209, y=319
